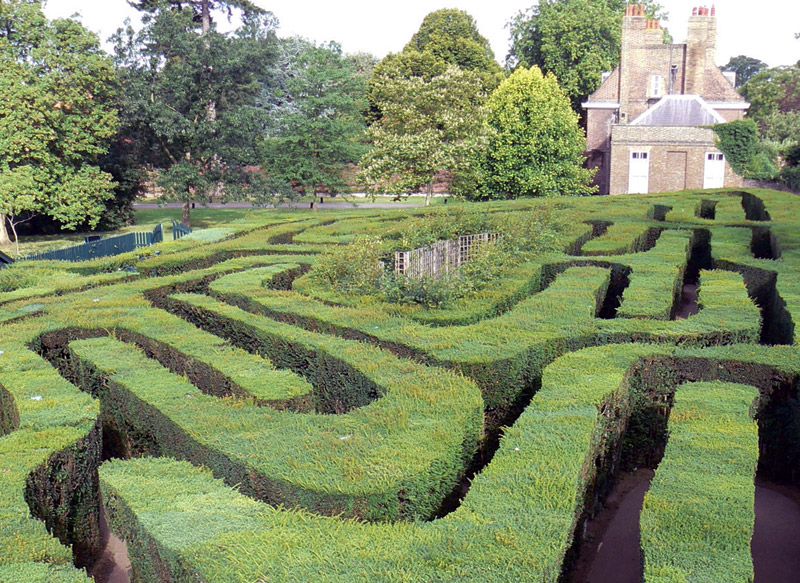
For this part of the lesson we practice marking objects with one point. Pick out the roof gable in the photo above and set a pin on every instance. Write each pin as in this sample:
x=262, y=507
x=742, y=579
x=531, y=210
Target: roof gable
x=679, y=110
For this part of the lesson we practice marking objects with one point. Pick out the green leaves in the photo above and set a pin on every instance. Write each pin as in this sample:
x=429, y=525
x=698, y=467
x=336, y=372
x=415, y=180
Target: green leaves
x=535, y=146
x=56, y=117
x=191, y=99
x=426, y=126
x=317, y=125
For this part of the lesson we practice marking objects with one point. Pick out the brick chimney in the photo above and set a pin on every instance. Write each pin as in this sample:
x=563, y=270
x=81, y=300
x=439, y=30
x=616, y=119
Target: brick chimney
x=639, y=35
x=701, y=48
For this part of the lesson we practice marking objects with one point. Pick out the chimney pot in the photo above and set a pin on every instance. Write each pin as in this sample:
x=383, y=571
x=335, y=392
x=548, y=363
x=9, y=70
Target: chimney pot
x=641, y=9
x=713, y=10
x=694, y=11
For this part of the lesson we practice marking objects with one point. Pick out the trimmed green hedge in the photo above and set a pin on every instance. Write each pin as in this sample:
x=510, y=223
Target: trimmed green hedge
x=517, y=522
x=313, y=461
x=415, y=427
x=698, y=516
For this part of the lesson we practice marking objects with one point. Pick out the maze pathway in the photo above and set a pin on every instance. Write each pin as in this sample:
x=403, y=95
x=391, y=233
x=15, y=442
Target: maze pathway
x=267, y=429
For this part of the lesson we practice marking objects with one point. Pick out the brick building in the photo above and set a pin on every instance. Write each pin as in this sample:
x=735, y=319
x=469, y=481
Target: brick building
x=643, y=124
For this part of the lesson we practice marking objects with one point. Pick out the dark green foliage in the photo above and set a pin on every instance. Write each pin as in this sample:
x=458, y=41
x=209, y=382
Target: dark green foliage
x=452, y=36
x=190, y=99
x=57, y=115
x=317, y=124
x=773, y=90
x=576, y=40
x=744, y=67
x=739, y=141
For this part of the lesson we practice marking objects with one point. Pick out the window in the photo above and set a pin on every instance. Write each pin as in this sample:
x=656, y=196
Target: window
x=656, y=89
x=639, y=155
x=712, y=157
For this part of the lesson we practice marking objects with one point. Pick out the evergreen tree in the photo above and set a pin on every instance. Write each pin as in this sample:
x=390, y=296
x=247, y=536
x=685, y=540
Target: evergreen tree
x=317, y=119
x=535, y=145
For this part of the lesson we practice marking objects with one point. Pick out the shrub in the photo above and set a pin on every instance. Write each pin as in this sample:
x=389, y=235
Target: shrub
x=353, y=268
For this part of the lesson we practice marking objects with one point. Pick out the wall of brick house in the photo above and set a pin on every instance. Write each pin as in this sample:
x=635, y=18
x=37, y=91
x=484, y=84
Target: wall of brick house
x=668, y=148
x=731, y=114
x=598, y=128
x=644, y=54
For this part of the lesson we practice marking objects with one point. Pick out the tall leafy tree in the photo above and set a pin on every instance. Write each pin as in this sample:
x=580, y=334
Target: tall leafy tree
x=745, y=68
x=191, y=95
x=576, y=40
x=775, y=90
x=452, y=36
x=317, y=119
x=427, y=125
x=445, y=38
x=56, y=118
x=535, y=145
x=430, y=126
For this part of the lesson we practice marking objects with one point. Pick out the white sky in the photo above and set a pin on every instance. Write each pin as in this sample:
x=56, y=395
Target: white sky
x=764, y=30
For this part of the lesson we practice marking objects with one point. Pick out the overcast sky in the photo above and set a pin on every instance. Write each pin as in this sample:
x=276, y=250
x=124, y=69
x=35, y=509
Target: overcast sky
x=764, y=30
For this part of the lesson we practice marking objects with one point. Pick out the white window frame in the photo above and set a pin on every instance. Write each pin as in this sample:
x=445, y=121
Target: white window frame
x=656, y=86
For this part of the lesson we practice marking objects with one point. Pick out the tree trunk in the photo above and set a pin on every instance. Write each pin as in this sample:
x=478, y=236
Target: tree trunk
x=4, y=239
x=429, y=194
x=187, y=219
x=205, y=16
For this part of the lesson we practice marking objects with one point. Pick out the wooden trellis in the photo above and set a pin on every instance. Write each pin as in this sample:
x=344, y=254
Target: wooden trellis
x=441, y=258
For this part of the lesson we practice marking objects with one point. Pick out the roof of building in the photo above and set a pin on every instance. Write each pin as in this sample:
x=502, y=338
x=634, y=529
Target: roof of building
x=679, y=110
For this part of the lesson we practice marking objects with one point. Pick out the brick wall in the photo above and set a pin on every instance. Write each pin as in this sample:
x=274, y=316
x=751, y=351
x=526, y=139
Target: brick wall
x=677, y=157
x=687, y=69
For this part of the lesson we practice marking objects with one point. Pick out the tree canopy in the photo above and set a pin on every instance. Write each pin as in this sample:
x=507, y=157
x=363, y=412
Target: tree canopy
x=445, y=38
x=427, y=126
x=316, y=118
x=56, y=118
x=452, y=36
x=535, y=145
x=576, y=40
x=775, y=90
x=744, y=67
x=192, y=97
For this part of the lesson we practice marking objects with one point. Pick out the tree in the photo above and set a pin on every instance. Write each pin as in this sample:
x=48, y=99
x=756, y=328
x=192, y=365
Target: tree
x=191, y=95
x=577, y=40
x=427, y=126
x=445, y=38
x=744, y=67
x=535, y=145
x=452, y=36
x=775, y=90
x=318, y=124
x=201, y=9
x=56, y=117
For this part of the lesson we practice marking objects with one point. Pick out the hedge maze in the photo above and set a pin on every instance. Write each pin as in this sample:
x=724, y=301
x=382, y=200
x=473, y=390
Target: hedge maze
x=242, y=423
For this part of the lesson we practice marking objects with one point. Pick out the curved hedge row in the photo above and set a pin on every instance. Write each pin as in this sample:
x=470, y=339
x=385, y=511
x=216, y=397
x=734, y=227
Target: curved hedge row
x=254, y=376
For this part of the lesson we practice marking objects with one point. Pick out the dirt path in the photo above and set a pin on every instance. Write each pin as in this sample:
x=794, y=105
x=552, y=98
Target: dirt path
x=610, y=553
x=776, y=539
x=114, y=565
x=688, y=302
